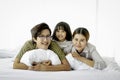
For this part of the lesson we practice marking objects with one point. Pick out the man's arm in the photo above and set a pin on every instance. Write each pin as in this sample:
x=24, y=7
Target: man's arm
x=18, y=65
x=61, y=67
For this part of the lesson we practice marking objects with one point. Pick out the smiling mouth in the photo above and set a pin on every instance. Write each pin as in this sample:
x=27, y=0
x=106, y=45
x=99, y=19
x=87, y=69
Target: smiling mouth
x=44, y=44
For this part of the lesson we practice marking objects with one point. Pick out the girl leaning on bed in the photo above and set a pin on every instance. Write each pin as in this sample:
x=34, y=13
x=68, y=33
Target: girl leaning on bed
x=82, y=54
x=41, y=38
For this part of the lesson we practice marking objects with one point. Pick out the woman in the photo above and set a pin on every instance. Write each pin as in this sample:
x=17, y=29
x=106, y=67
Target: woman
x=83, y=55
x=41, y=38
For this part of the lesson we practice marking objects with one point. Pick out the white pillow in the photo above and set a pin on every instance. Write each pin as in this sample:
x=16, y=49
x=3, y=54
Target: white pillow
x=39, y=55
x=77, y=65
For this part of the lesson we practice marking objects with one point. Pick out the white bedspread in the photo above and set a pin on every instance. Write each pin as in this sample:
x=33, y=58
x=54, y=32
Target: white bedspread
x=7, y=73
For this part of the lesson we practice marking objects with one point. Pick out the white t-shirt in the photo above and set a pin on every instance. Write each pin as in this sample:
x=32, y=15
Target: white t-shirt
x=39, y=55
x=63, y=45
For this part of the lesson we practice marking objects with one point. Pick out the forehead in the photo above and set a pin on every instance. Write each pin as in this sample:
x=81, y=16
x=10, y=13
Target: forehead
x=80, y=36
x=60, y=28
x=45, y=32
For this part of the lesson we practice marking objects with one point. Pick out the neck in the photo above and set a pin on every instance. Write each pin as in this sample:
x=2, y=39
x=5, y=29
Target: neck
x=79, y=52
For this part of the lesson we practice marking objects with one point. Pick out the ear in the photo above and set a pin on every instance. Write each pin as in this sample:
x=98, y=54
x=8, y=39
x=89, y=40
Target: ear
x=34, y=39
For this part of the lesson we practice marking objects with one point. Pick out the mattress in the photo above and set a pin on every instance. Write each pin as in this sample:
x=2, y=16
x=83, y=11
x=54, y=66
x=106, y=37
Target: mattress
x=112, y=72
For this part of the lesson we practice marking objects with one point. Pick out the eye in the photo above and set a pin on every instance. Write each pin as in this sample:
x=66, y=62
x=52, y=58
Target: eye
x=82, y=40
x=57, y=31
x=76, y=39
x=63, y=31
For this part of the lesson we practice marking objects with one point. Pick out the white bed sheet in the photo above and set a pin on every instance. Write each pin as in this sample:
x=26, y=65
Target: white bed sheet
x=7, y=73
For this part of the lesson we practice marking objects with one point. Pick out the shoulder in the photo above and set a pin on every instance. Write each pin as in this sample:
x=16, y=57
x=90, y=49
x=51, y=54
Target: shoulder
x=68, y=49
x=89, y=45
x=29, y=44
x=53, y=44
x=26, y=47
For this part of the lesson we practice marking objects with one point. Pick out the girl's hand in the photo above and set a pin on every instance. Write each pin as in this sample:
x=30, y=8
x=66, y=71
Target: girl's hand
x=76, y=55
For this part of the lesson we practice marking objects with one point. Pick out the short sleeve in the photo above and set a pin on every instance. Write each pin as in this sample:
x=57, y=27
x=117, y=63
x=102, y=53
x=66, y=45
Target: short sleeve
x=26, y=47
x=55, y=48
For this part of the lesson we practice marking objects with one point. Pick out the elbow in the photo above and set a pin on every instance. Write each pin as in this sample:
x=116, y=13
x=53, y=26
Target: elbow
x=14, y=66
x=100, y=66
x=68, y=68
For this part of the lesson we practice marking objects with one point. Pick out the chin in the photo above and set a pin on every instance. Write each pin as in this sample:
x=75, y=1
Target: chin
x=44, y=48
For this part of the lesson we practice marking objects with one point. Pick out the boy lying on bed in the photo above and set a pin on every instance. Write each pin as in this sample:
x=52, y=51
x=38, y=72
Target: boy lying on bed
x=41, y=39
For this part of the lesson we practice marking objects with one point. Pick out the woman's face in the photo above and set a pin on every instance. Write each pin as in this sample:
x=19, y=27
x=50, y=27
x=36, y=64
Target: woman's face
x=79, y=42
x=61, y=35
x=44, y=39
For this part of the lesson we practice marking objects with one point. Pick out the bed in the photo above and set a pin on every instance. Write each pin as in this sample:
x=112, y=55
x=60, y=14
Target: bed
x=112, y=72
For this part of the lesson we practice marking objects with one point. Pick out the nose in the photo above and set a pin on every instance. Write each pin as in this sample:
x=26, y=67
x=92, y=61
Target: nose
x=78, y=42
x=60, y=33
x=45, y=38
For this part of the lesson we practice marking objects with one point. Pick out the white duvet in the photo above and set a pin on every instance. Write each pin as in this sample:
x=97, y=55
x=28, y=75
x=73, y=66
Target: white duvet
x=112, y=72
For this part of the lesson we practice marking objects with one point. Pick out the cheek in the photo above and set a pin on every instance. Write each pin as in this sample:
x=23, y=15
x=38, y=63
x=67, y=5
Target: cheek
x=64, y=34
x=49, y=42
x=83, y=45
x=56, y=34
x=74, y=42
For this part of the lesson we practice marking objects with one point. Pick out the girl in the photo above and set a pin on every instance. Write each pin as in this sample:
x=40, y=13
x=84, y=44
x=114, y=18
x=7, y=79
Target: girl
x=83, y=55
x=62, y=35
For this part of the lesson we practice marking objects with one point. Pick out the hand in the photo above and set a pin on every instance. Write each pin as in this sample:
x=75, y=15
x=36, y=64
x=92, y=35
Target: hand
x=34, y=63
x=46, y=62
x=31, y=68
x=40, y=67
x=76, y=55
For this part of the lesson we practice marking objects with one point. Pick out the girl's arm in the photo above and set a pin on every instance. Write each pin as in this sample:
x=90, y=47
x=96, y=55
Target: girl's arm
x=83, y=59
x=99, y=62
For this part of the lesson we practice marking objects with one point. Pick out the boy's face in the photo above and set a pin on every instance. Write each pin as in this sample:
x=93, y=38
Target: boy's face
x=43, y=40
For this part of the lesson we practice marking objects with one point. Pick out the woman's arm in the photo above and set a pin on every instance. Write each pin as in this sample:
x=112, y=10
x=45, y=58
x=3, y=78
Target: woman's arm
x=83, y=59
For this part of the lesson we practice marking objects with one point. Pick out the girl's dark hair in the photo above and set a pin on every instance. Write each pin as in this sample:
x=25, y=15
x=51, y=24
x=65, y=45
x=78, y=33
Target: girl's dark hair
x=36, y=30
x=83, y=31
x=64, y=26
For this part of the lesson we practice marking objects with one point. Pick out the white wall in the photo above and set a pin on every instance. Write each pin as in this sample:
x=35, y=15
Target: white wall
x=108, y=23
x=17, y=17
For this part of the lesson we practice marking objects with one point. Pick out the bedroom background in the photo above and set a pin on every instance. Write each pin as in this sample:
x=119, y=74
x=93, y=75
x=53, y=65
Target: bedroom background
x=100, y=17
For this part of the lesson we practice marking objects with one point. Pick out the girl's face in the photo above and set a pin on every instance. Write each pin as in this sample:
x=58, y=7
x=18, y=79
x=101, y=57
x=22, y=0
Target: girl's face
x=43, y=40
x=61, y=35
x=79, y=42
